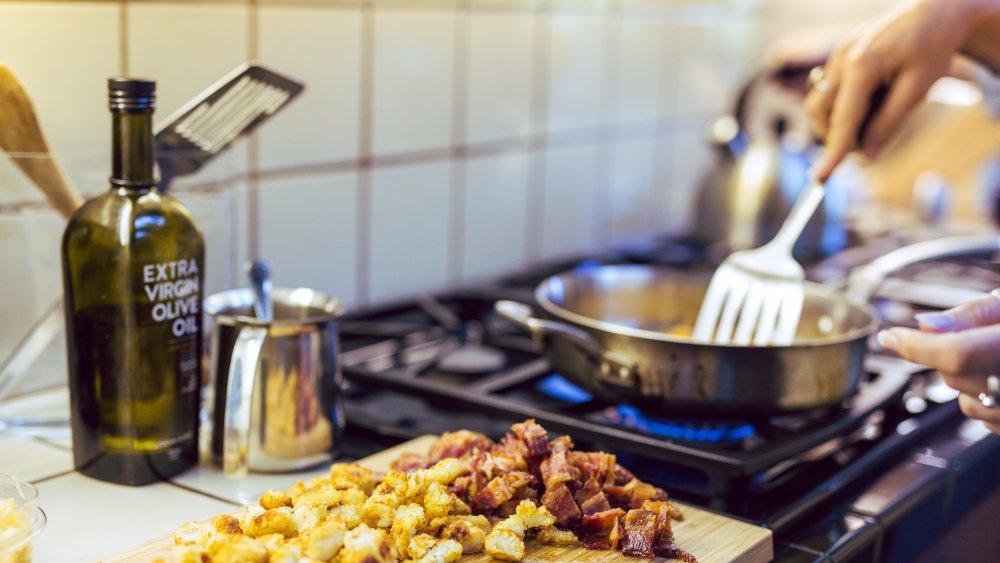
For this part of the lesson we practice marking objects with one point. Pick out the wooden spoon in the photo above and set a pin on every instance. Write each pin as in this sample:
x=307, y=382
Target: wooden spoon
x=20, y=133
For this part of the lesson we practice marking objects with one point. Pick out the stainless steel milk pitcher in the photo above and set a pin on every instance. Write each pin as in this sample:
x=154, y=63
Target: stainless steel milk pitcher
x=278, y=403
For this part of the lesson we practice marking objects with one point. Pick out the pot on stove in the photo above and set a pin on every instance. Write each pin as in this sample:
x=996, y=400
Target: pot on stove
x=618, y=331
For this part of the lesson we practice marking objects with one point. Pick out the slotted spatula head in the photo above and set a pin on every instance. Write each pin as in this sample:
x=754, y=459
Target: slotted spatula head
x=756, y=295
x=226, y=111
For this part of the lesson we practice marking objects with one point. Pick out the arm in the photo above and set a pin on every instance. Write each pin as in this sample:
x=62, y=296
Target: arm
x=900, y=54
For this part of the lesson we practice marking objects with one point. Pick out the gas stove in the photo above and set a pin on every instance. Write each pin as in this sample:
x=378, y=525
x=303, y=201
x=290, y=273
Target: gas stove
x=818, y=480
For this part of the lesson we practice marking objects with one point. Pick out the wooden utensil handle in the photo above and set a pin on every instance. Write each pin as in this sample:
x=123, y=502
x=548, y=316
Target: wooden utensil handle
x=22, y=137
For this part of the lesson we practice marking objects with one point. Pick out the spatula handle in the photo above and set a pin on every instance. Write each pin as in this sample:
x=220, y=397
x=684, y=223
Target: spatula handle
x=21, y=136
x=799, y=216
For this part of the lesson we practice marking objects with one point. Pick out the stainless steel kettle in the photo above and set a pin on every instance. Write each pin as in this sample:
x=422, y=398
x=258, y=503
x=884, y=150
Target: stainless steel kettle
x=764, y=151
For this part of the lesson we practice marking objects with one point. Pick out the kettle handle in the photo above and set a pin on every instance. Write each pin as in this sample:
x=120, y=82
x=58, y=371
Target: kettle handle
x=239, y=394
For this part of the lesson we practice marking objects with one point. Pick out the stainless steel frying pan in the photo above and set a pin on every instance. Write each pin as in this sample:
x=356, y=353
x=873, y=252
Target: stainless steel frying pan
x=620, y=332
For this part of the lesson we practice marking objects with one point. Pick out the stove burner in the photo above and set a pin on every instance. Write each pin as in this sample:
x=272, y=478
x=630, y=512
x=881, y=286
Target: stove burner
x=557, y=387
x=704, y=431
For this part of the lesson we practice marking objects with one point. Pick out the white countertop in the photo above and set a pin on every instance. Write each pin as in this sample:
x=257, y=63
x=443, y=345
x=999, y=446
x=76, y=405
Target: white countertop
x=89, y=519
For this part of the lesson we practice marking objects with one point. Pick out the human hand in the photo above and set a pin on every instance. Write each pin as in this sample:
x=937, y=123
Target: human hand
x=963, y=344
x=901, y=53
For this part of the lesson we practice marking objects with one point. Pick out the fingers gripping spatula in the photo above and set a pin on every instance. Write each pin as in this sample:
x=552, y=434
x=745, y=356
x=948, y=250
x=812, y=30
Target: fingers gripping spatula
x=229, y=109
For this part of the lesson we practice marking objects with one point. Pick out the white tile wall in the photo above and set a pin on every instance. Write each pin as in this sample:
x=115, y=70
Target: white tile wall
x=500, y=72
x=575, y=67
x=62, y=53
x=323, y=48
x=413, y=75
x=318, y=248
x=185, y=47
x=681, y=163
x=640, y=63
x=570, y=207
x=600, y=65
x=409, y=229
x=495, y=215
x=632, y=183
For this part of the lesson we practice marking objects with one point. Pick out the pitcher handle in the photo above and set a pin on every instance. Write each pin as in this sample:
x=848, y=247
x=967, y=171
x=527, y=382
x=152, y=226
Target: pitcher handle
x=239, y=395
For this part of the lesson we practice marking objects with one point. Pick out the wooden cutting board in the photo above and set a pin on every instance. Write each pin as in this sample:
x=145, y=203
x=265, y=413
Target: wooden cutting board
x=710, y=537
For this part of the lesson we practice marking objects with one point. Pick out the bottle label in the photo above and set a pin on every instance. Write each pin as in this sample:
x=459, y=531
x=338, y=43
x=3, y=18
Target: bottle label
x=172, y=289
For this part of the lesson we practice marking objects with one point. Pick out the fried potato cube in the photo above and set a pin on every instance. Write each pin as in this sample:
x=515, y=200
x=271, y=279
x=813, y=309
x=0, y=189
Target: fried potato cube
x=477, y=520
x=275, y=499
x=534, y=516
x=330, y=497
x=235, y=548
x=550, y=535
x=348, y=475
x=512, y=523
x=420, y=545
x=404, y=526
x=351, y=513
x=187, y=554
x=226, y=524
x=367, y=545
x=246, y=515
x=471, y=537
x=193, y=533
x=443, y=472
x=322, y=542
x=504, y=544
x=273, y=541
x=379, y=510
x=305, y=517
x=438, y=501
x=460, y=507
x=444, y=551
x=272, y=521
x=289, y=552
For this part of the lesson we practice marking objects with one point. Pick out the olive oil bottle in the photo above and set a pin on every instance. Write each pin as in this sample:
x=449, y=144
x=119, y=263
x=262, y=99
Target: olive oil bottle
x=133, y=271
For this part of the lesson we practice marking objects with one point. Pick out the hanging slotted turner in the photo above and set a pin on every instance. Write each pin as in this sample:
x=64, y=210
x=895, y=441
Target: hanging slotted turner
x=232, y=107
x=756, y=295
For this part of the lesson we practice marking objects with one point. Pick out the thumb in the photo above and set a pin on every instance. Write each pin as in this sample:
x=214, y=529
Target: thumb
x=978, y=312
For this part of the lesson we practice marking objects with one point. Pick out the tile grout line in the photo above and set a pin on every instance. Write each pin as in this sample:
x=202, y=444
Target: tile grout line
x=459, y=129
x=603, y=228
x=363, y=256
x=535, y=213
x=253, y=147
x=123, y=52
x=191, y=489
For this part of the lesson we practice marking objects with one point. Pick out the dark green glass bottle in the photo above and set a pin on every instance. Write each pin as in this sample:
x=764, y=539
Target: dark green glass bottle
x=133, y=271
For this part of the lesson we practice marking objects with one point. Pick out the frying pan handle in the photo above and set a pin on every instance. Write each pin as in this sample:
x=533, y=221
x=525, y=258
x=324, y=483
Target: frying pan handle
x=863, y=282
x=611, y=367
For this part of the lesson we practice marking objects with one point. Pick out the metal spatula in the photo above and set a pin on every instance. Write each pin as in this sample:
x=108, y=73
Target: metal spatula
x=232, y=107
x=759, y=292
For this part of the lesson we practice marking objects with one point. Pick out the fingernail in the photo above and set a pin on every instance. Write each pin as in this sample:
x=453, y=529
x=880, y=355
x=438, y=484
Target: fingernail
x=996, y=293
x=887, y=340
x=937, y=322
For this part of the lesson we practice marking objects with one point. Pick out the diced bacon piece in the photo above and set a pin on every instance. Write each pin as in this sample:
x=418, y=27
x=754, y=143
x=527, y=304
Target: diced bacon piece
x=409, y=462
x=560, y=503
x=639, y=533
x=594, y=465
x=535, y=439
x=602, y=522
x=458, y=444
x=500, y=490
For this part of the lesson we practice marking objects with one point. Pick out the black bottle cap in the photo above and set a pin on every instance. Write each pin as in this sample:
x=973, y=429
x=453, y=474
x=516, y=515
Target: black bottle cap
x=131, y=93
